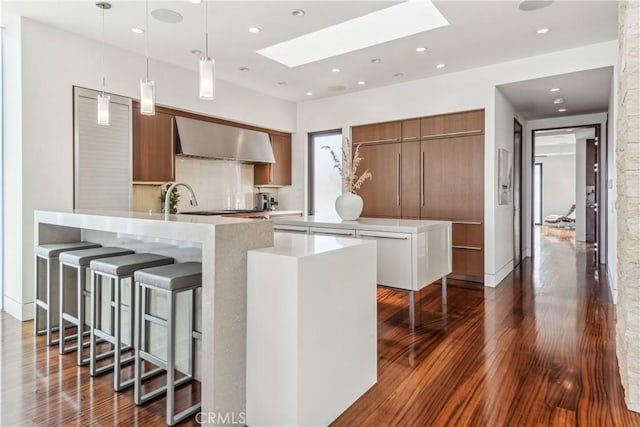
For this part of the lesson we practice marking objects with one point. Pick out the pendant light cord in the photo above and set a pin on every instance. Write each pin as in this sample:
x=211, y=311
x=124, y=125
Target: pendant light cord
x=103, y=77
x=206, y=29
x=146, y=34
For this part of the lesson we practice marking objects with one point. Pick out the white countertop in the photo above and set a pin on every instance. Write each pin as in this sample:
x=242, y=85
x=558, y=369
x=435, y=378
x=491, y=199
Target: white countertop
x=378, y=224
x=304, y=245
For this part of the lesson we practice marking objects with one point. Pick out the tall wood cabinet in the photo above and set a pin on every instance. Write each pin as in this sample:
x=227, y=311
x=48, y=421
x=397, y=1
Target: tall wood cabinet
x=278, y=173
x=153, y=146
x=430, y=168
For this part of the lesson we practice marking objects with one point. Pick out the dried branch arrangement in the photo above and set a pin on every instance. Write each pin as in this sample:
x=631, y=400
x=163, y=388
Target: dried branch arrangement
x=348, y=167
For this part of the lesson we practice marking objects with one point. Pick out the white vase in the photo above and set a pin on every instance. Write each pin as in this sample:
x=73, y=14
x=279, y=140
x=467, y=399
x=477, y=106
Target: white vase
x=349, y=206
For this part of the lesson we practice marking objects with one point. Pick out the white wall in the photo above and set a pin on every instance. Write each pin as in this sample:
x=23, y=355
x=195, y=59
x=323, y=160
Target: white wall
x=581, y=190
x=52, y=62
x=451, y=92
x=558, y=184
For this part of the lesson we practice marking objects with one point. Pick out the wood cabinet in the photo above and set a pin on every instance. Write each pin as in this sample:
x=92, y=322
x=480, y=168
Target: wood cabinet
x=411, y=130
x=410, y=180
x=467, y=122
x=452, y=178
x=468, y=248
x=381, y=195
x=278, y=173
x=153, y=147
x=376, y=133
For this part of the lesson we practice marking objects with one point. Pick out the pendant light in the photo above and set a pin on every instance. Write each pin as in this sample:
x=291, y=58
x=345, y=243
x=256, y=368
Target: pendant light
x=147, y=87
x=207, y=64
x=104, y=101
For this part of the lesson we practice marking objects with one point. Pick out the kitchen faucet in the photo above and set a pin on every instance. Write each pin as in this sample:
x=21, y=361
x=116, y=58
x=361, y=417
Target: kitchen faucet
x=192, y=197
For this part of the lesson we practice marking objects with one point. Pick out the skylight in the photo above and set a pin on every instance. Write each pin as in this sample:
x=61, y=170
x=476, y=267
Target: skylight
x=391, y=23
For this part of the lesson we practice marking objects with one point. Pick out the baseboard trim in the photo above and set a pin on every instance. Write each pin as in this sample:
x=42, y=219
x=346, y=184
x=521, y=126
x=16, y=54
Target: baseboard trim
x=20, y=311
x=493, y=280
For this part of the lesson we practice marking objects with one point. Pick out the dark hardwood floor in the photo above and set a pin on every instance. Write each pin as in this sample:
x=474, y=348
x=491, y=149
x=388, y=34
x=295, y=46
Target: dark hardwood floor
x=536, y=351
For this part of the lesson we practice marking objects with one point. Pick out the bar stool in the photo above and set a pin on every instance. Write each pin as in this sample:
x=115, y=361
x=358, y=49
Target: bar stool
x=170, y=280
x=116, y=269
x=80, y=260
x=50, y=253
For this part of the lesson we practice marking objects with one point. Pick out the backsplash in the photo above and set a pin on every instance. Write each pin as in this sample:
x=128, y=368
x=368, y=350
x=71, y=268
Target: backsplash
x=218, y=184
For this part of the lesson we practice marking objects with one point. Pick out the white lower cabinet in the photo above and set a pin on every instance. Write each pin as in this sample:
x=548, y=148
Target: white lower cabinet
x=395, y=258
x=291, y=229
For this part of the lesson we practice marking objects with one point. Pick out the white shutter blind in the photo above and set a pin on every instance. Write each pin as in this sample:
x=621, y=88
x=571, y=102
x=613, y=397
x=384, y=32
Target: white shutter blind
x=102, y=155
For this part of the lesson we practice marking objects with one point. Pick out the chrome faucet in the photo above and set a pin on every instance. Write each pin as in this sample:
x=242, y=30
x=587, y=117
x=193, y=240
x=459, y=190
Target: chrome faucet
x=192, y=197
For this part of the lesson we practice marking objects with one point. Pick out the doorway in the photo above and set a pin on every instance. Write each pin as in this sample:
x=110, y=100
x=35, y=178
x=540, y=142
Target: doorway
x=325, y=182
x=518, y=218
x=565, y=197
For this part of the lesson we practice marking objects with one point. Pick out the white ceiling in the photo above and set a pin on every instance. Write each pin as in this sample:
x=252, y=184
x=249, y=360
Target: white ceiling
x=583, y=92
x=481, y=33
x=560, y=141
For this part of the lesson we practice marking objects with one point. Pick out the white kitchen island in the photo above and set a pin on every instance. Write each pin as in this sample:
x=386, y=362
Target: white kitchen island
x=224, y=243
x=412, y=254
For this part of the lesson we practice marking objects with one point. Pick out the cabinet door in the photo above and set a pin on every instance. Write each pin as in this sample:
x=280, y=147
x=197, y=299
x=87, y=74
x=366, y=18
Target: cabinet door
x=468, y=249
x=410, y=180
x=153, y=147
x=290, y=229
x=410, y=130
x=452, y=172
x=467, y=122
x=278, y=173
x=381, y=194
x=395, y=261
x=376, y=133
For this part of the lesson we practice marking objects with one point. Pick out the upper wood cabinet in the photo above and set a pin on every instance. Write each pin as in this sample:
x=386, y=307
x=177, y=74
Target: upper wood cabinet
x=410, y=179
x=381, y=194
x=376, y=133
x=278, y=173
x=467, y=122
x=153, y=147
x=411, y=130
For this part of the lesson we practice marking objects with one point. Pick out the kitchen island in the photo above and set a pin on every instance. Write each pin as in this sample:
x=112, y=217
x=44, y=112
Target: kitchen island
x=223, y=243
x=411, y=254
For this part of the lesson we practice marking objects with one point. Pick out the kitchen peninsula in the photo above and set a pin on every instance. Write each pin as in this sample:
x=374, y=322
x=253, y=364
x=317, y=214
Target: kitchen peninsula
x=223, y=243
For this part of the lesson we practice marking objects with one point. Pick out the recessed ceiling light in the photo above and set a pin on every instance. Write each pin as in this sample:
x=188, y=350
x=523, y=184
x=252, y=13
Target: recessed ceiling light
x=529, y=5
x=335, y=70
x=282, y=83
x=358, y=33
x=561, y=110
x=167, y=15
x=137, y=30
x=375, y=60
x=297, y=12
x=440, y=66
x=196, y=52
x=309, y=93
x=196, y=1
x=543, y=31
x=398, y=75
x=554, y=89
x=558, y=101
x=361, y=82
x=244, y=68
x=254, y=30
x=421, y=49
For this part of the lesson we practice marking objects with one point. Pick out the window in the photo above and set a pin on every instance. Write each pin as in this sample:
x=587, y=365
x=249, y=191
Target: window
x=537, y=193
x=325, y=182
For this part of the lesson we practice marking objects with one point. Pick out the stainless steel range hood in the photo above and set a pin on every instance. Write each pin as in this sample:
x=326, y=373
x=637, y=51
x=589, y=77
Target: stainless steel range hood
x=197, y=138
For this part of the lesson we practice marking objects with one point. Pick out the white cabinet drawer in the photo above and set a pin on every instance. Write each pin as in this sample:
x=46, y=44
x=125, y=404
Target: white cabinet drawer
x=336, y=232
x=395, y=261
x=291, y=229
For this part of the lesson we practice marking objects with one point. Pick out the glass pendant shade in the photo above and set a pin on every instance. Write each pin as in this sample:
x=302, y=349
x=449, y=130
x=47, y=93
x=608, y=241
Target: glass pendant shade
x=104, y=107
x=207, y=78
x=147, y=97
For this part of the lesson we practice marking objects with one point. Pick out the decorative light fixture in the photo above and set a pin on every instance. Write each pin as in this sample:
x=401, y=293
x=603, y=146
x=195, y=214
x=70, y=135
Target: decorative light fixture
x=147, y=87
x=104, y=101
x=207, y=64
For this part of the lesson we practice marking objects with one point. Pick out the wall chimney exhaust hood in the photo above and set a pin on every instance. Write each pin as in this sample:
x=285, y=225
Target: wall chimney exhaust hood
x=197, y=138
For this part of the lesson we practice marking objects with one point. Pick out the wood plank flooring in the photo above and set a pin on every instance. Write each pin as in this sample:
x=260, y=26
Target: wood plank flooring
x=536, y=351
